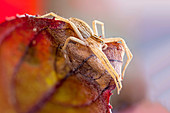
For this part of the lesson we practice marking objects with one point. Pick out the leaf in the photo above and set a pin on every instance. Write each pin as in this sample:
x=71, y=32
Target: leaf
x=36, y=77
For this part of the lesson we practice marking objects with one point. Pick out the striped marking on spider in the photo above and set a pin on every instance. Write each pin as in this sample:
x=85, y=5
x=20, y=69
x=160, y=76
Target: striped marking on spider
x=90, y=38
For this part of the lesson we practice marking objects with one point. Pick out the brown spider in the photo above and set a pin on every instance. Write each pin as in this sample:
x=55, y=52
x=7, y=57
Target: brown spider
x=90, y=38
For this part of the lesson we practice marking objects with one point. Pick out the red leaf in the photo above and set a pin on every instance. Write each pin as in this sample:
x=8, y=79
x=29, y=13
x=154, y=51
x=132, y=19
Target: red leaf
x=35, y=76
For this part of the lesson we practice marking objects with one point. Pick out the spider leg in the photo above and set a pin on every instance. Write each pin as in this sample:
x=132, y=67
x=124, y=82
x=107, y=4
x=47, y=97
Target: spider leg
x=95, y=27
x=73, y=39
x=104, y=60
x=65, y=20
x=54, y=15
x=128, y=52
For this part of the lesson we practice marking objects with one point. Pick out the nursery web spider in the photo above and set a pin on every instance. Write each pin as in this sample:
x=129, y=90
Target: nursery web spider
x=90, y=38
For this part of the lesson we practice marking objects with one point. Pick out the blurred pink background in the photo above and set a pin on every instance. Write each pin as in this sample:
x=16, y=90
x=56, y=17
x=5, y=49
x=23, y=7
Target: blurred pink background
x=145, y=26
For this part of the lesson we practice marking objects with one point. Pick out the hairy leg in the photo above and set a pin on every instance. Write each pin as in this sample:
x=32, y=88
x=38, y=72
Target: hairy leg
x=65, y=20
x=95, y=27
x=54, y=15
x=104, y=60
x=72, y=39
x=128, y=52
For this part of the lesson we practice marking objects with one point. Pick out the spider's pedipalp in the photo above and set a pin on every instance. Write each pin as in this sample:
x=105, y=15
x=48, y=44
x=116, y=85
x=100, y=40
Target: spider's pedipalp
x=104, y=47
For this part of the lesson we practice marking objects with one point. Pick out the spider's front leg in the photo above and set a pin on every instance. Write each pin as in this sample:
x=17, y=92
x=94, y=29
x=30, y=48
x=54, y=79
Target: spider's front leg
x=95, y=27
x=128, y=52
x=72, y=39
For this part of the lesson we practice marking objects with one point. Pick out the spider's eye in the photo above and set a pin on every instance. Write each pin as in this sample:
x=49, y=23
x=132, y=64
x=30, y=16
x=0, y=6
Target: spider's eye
x=101, y=42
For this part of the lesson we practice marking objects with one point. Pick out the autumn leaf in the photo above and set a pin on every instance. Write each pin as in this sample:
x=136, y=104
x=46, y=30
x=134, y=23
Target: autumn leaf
x=36, y=77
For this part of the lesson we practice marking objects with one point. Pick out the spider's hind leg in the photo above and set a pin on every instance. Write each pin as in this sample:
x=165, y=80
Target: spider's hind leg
x=54, y=15
x=64, y=20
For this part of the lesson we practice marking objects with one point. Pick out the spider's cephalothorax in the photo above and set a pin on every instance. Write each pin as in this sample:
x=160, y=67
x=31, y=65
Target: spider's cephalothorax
x=96, y=41
x=90, y=38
